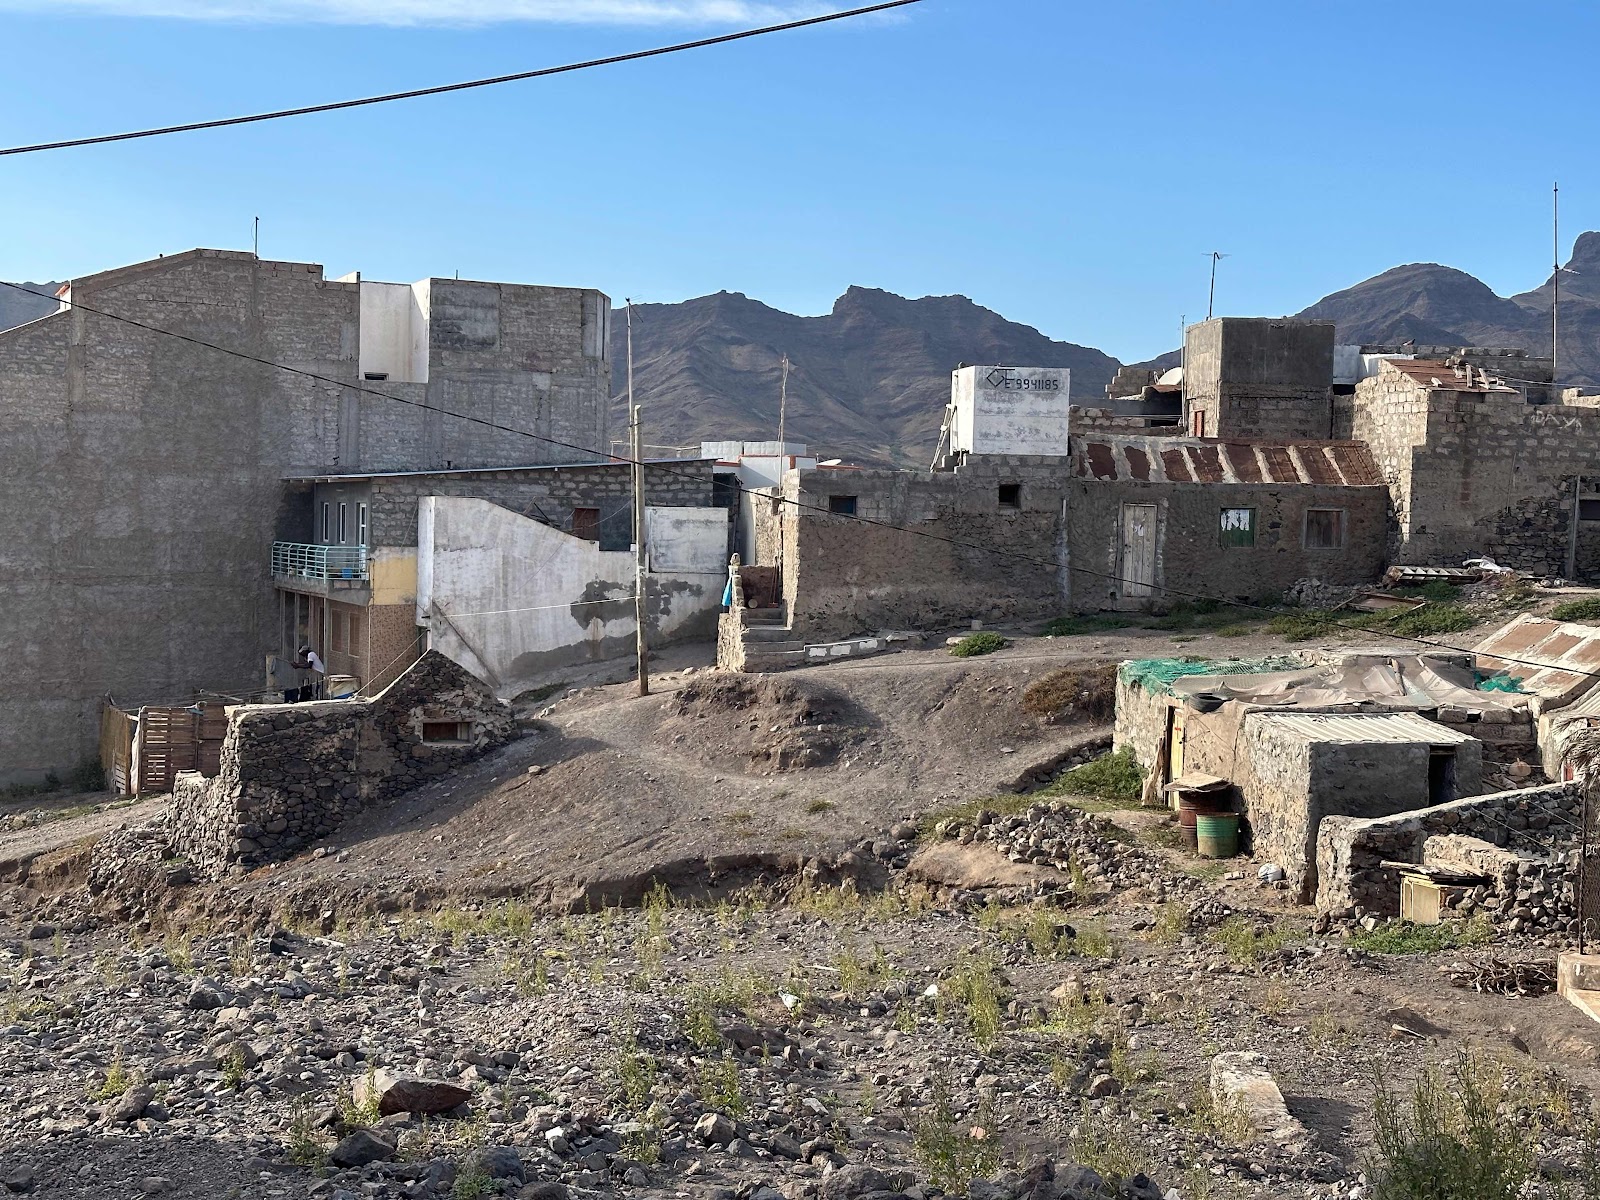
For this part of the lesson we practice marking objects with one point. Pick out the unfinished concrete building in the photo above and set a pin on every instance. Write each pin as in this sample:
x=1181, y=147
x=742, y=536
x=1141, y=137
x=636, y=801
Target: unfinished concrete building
x=1258, y=377
x=146, y=475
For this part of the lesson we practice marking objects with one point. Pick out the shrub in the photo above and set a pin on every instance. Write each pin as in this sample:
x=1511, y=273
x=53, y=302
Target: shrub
x=978, y=643
x=1431, y=618
x=1087, y=692
x=1578, y=610
x=1449, y=1141
x=1402, y=937
x=1115, y=776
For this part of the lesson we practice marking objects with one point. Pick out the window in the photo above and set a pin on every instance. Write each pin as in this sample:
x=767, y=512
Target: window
x=1238, y=527
x=361, y=524
x=339, y=644
x=1199, y=419
x=446, y=731
x=1324, y=529
x=1010, y=495
x=375, y=376
x=845, y=506
x=586, y=524
x=342, y=509
x=355, y=634
x=326, y=518
x=1588, y=510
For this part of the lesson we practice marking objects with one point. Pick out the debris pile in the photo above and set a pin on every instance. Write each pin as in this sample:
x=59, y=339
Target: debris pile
x=1068, y=839
x=1535, y=977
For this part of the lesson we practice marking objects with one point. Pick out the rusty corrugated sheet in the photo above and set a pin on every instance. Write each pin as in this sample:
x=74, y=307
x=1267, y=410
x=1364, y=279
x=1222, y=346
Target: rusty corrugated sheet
x=1319, y=467
x=1100, y=461
x=1138, y=463
x=1355, y=464
x=1207, y=464
x=1280, y=466
x=1176, y=465
x=1242, y=461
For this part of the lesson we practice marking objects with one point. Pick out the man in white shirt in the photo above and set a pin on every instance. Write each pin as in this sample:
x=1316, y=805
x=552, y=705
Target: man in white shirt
x=311, y=688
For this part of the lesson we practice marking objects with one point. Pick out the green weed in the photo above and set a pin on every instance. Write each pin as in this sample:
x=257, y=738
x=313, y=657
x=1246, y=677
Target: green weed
x=1402, y=937
x=978, y=643
x=1587, y=609
x=954, y=1152
x=1115, y=776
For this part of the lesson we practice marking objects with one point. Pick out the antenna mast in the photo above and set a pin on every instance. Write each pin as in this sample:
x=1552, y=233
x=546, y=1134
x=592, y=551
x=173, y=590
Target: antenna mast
x=1555, y=284
x=1211, y=300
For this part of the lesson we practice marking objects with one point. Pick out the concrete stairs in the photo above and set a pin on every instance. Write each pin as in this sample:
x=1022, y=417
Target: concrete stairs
x=768, y=641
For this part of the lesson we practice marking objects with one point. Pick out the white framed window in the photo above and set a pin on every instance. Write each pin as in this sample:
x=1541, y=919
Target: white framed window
x=343, y=507
x=327, y=520
x=361, y=524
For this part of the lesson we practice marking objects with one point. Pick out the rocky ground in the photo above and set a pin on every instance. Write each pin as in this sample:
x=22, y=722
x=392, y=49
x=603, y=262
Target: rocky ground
x=879, y=973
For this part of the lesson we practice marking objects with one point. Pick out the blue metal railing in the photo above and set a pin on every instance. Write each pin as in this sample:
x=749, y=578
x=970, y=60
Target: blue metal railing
x=334, y=563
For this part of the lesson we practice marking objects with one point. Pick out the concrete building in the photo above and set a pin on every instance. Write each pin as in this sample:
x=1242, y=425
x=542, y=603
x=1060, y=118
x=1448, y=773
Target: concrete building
x=145, y=476
x=1258, y=377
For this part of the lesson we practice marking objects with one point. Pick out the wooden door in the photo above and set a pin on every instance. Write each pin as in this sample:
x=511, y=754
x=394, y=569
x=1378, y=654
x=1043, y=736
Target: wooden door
x=1137, y=565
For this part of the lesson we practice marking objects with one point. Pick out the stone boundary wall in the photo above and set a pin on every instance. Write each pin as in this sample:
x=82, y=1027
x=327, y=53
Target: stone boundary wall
x=1540, y=823
x=293, y=773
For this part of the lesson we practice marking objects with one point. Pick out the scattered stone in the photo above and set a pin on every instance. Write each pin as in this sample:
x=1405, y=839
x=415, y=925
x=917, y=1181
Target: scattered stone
x=714, y=1129
x=360, y=1148
x=391, y=1093
x=1242, y=1082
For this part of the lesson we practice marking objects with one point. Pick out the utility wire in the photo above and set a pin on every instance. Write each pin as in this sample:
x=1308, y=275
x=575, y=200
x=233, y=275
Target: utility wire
x=597, y=456
x=414, y=93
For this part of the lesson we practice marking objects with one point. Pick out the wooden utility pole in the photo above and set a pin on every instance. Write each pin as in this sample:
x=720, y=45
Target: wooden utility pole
x=636, y=422
x=783, y=403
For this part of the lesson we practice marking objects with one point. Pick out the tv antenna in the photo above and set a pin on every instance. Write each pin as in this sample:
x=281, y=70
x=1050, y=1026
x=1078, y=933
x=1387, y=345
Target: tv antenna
x=1215, y=256
x=783, y=401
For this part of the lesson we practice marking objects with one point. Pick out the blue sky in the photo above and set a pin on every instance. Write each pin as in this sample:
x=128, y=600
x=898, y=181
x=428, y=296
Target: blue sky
x=1066, y=164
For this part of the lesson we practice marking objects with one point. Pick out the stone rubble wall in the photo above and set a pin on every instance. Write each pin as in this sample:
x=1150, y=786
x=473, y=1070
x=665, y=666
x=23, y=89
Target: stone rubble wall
x=1539, y=824
x=294, y=773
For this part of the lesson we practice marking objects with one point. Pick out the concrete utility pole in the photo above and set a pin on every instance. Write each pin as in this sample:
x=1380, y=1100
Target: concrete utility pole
x=1215, y=256
x=636, y=422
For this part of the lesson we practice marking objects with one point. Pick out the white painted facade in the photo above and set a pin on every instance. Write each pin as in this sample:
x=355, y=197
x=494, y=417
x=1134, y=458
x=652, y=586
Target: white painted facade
x=394, y=331
x=1010, y=410
x=512, y=599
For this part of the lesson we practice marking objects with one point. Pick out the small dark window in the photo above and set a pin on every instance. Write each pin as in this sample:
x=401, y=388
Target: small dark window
x=375, y=376
x=446, y=731
x=1324, y=529
x=327, y=520
x=586, y=524
x=1010, y=495
x=1238, y=527
x=845, y=506
x=1589, y=510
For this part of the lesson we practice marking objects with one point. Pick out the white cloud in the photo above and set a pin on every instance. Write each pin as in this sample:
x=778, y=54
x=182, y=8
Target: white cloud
x=445, y=12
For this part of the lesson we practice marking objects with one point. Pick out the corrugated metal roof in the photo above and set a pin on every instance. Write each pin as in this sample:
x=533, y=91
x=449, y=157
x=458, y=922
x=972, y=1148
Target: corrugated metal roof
x=1557, y=659
x=1402, y=728
x=1205, y=460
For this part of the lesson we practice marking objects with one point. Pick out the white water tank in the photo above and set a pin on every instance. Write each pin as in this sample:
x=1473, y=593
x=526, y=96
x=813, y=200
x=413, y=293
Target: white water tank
x=1010, y=410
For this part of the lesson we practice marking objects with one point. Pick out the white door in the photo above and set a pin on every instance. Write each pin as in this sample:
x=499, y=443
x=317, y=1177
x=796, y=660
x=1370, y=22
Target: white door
x=1137, y=569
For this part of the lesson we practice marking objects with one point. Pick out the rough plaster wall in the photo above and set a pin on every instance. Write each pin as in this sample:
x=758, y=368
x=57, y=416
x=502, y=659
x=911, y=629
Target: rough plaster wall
x=513, y=599
x=843, y=577
x=1141, y=722
x=1474, y=474
x=526, y=357
x=1189, y=553
x=143, y=487
x=1259, y=378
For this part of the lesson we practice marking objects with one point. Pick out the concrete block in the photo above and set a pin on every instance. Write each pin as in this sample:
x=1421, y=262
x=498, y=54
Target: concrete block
x=1241, y=1081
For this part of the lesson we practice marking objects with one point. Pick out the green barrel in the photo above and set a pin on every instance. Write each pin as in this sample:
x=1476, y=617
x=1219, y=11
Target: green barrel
x=1217, y=834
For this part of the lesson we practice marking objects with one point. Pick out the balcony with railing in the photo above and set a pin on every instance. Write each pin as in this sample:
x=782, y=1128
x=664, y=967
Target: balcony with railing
x=306, y=567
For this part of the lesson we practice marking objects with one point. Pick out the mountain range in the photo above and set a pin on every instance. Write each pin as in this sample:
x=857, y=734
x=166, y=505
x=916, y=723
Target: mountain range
x=869, y=380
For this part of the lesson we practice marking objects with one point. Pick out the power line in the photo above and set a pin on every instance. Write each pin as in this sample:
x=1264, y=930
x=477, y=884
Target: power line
x=414, y=93
x=597, y=455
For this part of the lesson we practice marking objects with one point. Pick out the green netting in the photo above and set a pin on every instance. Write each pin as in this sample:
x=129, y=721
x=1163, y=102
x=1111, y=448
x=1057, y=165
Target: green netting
x=1499, y=683
x=1159, y=674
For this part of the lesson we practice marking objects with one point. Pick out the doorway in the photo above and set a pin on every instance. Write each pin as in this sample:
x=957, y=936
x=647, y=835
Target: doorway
x=1136, y=568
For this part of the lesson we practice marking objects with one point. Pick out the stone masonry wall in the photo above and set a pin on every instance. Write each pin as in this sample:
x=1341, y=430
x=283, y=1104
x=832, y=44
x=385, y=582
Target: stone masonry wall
x=293, y=773
x=1475, y=473
x=1538, y=823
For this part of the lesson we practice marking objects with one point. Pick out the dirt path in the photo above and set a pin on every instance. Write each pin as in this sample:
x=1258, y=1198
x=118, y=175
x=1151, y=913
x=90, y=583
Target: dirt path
x=19, y=847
